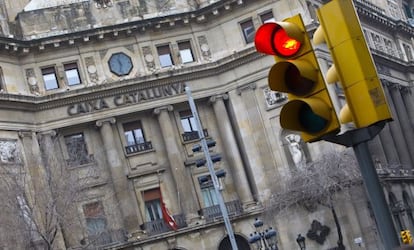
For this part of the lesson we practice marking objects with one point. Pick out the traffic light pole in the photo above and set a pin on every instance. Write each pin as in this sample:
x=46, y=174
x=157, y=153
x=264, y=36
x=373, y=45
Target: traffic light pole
x=210, y=167
x=358, y=140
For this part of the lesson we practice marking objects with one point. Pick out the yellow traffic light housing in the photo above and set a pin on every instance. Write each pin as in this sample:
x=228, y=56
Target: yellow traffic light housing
x=406, y=237
x=297, y=73
x=353, y=64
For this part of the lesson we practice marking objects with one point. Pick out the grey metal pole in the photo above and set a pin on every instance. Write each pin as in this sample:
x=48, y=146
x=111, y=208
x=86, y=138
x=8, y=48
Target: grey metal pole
x=211, y=170
x=376, y=196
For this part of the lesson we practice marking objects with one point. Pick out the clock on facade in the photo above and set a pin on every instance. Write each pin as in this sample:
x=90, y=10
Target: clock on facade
x=120, y=64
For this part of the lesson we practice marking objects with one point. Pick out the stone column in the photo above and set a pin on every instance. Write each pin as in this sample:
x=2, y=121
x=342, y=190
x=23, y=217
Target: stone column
x=186, y=196
x=403, y=119
x=259, y=158
x=396, y=132
x=231, y=150
x=124, y=193
x=409, y=103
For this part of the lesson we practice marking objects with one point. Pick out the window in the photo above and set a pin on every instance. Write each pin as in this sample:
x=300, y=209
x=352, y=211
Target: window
x=267, y=17
x=188, y=121
x=76, y=148
x=209, y=194
x=164, y=54
x=135, y=139
x=248, y=30
x=133, y=133
x=152, y=199
x=408, y=52
x=95, y=218
x=186, y=53
x=72, y=74
x=49, y=78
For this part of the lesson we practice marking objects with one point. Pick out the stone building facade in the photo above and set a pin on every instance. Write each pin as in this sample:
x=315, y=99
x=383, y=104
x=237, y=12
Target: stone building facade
x=109, y=76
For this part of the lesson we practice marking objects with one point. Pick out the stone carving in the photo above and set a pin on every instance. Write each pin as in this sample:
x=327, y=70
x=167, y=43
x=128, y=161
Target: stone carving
x=91, y=68
x=32, y=80
x=103, y=3
x=298, y=156
x=8, y=152
x=149, y=58
x=205, y=49
x=272, y=97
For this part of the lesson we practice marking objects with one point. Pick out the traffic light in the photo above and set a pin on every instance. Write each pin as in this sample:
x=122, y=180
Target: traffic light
x=353, y=65
x=296, y=72
x=406, y=237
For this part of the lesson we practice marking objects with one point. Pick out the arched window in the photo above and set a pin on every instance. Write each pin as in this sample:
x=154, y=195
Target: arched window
x=241, y=242
x=396, y=210
x=408, y=208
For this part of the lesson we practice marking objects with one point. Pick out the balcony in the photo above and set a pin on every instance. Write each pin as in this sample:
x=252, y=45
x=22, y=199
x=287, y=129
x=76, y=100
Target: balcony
x=193, y=135
x=159, y=226
x=104, y=239
x=145, y=146
x=82, y=159
x=213, y=213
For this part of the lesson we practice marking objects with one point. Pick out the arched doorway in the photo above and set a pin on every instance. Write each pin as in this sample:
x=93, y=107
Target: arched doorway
x=241, y=242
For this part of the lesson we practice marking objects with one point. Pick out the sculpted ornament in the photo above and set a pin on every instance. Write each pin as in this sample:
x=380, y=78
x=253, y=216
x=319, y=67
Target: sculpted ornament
x=103, y=3
x=8, y=152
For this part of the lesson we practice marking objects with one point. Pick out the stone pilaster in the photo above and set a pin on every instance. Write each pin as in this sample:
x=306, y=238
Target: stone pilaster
x=231, y=149
x=396, y=131
x=403, y=119
x=123, y=188
x=186, y=196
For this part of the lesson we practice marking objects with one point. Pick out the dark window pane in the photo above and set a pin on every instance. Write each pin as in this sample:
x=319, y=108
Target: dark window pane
x=248, y=30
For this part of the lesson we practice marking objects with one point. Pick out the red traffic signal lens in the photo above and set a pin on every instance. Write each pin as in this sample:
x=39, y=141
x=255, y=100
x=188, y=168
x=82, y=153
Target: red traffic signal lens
x=285, y=45
x=272, y=39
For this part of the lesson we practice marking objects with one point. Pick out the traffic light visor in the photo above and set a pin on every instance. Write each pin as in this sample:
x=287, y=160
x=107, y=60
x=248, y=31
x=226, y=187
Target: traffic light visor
x=274, y=39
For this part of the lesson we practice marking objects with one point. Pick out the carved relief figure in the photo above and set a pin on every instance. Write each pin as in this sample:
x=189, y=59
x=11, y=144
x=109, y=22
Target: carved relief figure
x=298, y=156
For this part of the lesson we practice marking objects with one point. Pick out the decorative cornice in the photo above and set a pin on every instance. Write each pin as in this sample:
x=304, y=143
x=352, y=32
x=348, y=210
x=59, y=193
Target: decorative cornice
x=38, y=103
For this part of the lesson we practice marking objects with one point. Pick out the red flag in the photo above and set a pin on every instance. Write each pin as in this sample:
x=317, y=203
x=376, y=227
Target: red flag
x=167, y=216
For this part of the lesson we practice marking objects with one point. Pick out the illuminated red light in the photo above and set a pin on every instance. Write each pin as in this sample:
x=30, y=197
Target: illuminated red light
x=285, y=45
x=272, y=39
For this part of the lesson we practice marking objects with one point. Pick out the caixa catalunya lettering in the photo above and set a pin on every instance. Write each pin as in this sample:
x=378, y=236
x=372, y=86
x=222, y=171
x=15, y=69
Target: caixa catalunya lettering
x=126, y=99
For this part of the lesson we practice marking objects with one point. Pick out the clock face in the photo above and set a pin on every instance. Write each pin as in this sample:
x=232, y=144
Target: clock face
x=120, y=64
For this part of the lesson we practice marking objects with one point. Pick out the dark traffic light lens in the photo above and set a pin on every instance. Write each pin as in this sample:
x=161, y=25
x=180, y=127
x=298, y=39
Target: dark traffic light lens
x=297, y=84
x=310, y=121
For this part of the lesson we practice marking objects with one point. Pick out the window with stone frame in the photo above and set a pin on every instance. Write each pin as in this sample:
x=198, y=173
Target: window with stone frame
x=248, y=30
x=95, y=218
x=76, y=149
x=72, y=74
x=152, y=200
x=50, y=78
x=135, y=137
x=408, y=52
x=165, y=56
x=208, y=193
x=186, y=53
x=267, y=17
x=394, y=9
x=189, y=125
